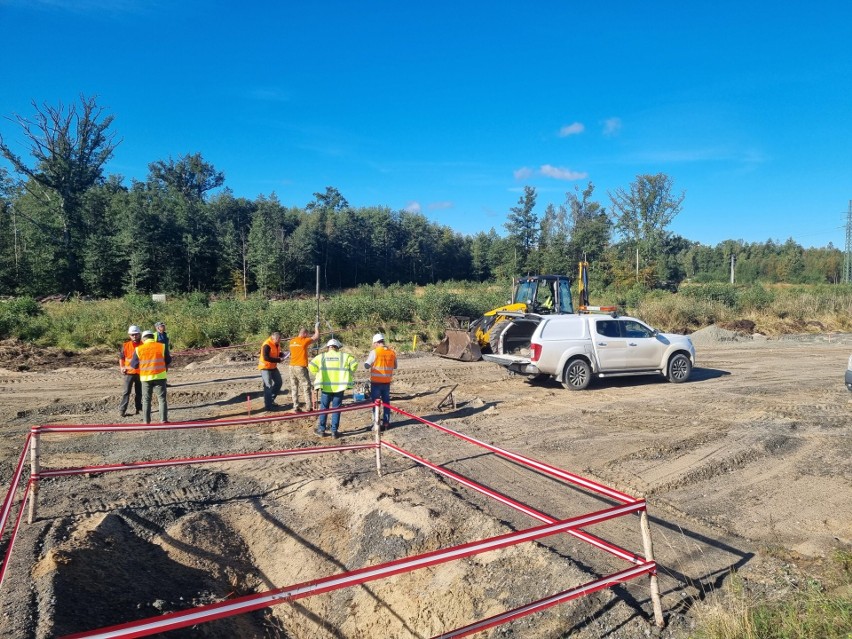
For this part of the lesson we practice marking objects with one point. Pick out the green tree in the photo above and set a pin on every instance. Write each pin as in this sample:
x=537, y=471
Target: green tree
x=266, y=246
x=591, y=227
x=184, y=184
x=103, y=260
x=232, y=217
x=70, y=148
x=644, y=212
x=554, y=241
x=524, y=230
x=10, y=256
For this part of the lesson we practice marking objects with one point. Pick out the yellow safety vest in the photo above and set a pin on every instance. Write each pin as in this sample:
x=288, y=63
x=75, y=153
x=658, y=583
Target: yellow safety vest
x=333, y=371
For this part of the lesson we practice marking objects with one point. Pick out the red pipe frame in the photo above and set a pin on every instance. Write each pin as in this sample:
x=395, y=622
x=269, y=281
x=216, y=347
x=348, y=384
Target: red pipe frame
x=257, y=601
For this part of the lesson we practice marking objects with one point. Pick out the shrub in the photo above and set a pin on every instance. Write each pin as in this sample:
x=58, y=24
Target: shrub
x=19, y=317
x=726, y=294
x=756, y=298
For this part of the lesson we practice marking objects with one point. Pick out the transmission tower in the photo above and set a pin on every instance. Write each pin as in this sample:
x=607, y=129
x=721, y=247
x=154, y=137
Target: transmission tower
x=847, y=262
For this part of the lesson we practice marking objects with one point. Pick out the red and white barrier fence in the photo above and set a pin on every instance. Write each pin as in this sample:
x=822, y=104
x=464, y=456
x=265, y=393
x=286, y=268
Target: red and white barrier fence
x=627, y=504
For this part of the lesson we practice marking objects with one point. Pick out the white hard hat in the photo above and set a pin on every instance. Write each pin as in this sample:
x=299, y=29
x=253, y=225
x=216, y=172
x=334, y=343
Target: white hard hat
x=378, y=337
x=133, y=329
x=333, y=342
x=147, y=334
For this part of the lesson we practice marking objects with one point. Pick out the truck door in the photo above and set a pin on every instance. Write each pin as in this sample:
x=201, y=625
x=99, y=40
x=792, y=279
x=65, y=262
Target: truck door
x=644, y=350
x=610, y=346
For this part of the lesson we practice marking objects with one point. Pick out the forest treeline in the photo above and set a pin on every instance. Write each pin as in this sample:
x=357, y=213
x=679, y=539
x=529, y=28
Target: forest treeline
x=68, y=227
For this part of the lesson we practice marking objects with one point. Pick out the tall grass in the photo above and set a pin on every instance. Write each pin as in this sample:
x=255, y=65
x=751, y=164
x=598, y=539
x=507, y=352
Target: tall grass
x=198, y=320
x=774, y=311
x=804, y=608
x=403, y=311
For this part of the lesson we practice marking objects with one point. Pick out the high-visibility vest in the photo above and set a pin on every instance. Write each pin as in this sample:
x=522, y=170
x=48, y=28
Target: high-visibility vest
x=152, y=360
x=382, y=369
x=274, y=351
x=333, y=371
x=127, y=354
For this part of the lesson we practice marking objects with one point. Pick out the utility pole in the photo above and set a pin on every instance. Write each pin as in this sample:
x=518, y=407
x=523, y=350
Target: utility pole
x=847, y=261
x=637, y=263
x=733, y=261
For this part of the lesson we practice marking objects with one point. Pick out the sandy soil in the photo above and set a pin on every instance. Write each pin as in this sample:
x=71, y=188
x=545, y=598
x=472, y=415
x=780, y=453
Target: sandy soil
x=751, y=455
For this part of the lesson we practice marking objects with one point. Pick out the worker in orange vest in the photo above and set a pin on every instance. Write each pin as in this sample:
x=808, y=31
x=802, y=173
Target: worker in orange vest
x=270, y=357
x=382, y=363
x=130, y=375
x=300, y=380
x=152, y=359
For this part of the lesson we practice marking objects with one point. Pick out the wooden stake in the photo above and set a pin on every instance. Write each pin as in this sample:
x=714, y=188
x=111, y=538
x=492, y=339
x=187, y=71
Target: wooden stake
x=649, y=555
x=34, y=472
x=377, y=435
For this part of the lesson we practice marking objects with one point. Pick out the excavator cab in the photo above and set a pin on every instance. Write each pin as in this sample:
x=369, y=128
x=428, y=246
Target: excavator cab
x=544, y=294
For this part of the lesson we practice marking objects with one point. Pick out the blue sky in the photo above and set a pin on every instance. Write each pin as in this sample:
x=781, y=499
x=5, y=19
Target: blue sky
x=451, y=108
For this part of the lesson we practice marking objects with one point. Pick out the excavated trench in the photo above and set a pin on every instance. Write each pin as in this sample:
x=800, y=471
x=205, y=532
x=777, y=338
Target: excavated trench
x=144, y=543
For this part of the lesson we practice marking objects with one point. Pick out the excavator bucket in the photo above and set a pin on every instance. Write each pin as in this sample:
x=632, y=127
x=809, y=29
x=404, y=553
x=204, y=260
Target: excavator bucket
x=457, y=344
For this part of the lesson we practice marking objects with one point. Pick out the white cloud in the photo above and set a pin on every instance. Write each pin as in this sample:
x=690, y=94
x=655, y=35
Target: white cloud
x=413, y=207
x=571, y=129
x=611, y=126
x=523, y=173
x=439, y=206
x=559, y=173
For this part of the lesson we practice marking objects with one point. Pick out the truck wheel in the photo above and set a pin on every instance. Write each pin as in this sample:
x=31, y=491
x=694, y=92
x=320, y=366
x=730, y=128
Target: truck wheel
x=577, y=374
x=680, y=368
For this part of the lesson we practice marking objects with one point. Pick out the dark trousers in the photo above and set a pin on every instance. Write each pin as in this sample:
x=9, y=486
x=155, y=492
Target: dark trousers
x=131, y=383
x=271, y=387
x=148, y=388
x=381, y=391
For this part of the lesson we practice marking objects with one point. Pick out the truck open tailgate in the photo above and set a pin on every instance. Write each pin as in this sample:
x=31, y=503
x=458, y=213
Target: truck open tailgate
x=514, y=363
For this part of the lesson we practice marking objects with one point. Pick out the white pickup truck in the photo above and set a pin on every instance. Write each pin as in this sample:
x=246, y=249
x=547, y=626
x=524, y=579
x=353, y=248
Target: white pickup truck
x=573, y=348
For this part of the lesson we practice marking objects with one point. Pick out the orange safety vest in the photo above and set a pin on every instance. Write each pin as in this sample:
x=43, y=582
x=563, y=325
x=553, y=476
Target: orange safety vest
x=382, y=369
x=152, y=360
x=274, y=351
x=127, y=355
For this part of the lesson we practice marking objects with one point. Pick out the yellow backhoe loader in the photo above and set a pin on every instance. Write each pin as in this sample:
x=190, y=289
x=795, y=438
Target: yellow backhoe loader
x=509, y=328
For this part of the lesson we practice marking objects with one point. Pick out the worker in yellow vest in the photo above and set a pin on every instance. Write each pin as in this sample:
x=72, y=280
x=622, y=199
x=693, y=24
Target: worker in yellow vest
x=130, y=375
x=270, y=357
x=382, y=363
x=152, y=358
x=333, y=372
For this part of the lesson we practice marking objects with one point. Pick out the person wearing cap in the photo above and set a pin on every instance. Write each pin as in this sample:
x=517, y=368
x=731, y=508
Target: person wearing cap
x=270, y=357
x=130, y=375
x=333, y=372
x=152, y=359
x=382, y=363
x=161, y=335
x=300, y=381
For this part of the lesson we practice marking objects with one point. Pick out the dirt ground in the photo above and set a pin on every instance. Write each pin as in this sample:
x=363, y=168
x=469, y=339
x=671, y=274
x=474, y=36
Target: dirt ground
x=746, y=467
